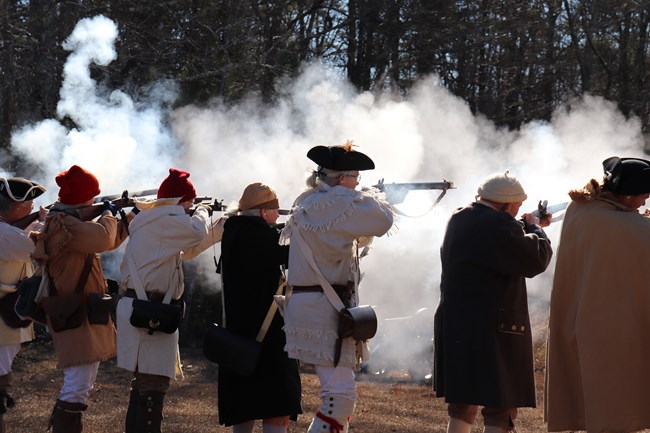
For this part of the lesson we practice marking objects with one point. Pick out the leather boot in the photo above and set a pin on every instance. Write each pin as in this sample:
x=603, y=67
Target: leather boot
x=6, y=401
x=333, y=415
x=458, y=426
x=131, y=413
x=66, y=417
x=149, y=414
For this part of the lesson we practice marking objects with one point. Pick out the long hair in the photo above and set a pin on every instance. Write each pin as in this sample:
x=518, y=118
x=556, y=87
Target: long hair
x=323, y=175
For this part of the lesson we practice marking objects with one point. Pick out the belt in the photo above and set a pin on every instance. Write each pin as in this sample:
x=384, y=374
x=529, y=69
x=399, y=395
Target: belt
x=307, y=289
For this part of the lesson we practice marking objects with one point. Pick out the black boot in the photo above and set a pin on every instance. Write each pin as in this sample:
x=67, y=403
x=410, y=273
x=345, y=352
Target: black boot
x=66, y=417
x=131, y=413
x=149, y=417
x=6, y=401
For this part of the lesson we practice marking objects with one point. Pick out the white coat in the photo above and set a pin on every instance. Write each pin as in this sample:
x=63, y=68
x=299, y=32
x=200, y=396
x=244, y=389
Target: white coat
x=331, y=220
x=160, y=237
x=15, y=264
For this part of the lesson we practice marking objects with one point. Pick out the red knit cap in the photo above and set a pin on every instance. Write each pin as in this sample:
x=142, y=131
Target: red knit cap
x=177, y=185
x=77, y=185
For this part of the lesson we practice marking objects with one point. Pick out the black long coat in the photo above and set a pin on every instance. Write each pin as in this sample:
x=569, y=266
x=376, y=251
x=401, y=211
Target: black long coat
x=482, y=335
x=250, y=266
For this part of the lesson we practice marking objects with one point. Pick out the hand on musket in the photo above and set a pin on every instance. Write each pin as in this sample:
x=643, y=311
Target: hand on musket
x=545, y=212
x=39, y=215
x=207, y=203
x=89, y=213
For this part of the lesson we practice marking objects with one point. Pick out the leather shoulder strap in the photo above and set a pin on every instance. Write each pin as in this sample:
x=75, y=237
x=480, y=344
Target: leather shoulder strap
x=85, y=273
x=83, y=278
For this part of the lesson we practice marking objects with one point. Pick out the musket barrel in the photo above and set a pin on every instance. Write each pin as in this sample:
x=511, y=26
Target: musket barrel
x=111, y=197
x=415, y=185
x=423, y=185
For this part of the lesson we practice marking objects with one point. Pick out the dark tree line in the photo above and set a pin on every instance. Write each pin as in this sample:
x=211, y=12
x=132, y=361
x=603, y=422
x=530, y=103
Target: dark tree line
x=513, y=61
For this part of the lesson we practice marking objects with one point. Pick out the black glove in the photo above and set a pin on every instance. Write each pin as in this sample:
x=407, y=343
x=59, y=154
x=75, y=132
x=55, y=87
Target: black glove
x=108, y=206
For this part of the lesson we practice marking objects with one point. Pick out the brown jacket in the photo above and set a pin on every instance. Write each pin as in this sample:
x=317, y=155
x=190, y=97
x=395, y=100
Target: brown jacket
x=599, y=332
x=63, y=246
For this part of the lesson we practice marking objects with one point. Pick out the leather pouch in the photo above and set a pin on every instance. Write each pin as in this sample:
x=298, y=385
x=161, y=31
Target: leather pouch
x=156, y=316
x=8, y=311
x=359, y=323
x=229, y=350
x=65, y=312
x=101, y=306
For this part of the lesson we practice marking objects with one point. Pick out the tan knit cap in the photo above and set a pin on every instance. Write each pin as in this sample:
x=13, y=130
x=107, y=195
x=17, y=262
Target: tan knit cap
x=501, y=188
x=258, y=196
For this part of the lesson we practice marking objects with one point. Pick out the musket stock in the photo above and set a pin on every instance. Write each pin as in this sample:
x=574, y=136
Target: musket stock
x=24, y=222
x=85, y=213
x=218, y=206
x=89, y=213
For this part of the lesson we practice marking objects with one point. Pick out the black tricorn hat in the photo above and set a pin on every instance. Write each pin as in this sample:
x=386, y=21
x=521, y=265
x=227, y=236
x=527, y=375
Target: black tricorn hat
x=627, y=176
x=339, y=158
x=20, y=189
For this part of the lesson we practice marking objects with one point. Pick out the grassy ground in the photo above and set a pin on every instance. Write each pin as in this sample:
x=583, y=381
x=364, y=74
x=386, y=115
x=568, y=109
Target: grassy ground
x=390, y=402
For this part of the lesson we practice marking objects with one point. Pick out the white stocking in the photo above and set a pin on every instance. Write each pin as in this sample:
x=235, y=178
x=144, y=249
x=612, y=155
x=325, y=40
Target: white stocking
x=245, y=427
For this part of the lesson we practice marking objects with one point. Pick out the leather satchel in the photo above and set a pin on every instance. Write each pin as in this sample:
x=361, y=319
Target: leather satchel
x=100, y=308
x=26, y=306
x=156, y=316
x=8, y=311
x=231, y=351
x=359, y=323
x=162, y=316
x=235, y=352
x=67, y=312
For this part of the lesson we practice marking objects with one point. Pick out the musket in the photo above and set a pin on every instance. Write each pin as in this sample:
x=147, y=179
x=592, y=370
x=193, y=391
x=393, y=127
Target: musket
x=218, y=206
x=85, y=213
x=143, y=193
x=88, y=213
x=543, y=209
x=24, y=222
x=396, y=192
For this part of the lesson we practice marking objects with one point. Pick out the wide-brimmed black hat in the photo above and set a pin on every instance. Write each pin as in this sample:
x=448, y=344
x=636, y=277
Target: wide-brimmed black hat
x=339, y=158
x=20, y=189
x=627, y=176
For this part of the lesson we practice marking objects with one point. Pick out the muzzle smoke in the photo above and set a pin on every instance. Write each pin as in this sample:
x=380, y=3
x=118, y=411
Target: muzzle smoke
x=425, y=136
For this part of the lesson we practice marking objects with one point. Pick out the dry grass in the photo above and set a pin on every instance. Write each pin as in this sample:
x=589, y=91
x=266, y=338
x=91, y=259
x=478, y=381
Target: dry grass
x=390, y=403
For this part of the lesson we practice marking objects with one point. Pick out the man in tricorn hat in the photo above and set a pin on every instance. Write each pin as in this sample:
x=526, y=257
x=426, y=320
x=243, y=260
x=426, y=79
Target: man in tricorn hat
x=599, y=327
x=16, y=202
x=334, y=220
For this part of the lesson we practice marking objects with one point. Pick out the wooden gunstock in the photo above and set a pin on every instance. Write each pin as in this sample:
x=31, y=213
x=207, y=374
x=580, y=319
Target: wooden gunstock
x=89, y=213
x=86, y=213
x=24, y=222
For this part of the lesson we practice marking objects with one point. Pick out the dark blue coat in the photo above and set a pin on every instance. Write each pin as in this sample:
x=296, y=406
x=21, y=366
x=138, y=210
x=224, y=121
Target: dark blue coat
x=482, y=335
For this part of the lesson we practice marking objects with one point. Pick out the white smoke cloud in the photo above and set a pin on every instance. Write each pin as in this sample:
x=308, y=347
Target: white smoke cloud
x=427, y=136
x=123, y=142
